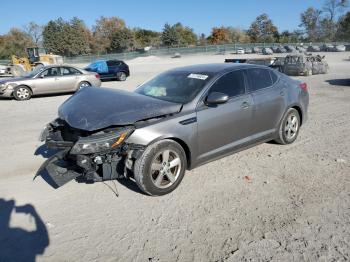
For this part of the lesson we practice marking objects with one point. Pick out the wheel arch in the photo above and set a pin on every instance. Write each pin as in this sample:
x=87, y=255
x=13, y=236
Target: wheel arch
x=17, y=86
x=123, y=71
x=82, y=80
x=181, y=142
x=298, y=108
x=185, y=147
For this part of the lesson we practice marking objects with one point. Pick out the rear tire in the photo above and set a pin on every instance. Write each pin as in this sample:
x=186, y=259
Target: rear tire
x=121, y=76
x=83, y=84
x=161, y=168
x=289, y=127
x=22, y=93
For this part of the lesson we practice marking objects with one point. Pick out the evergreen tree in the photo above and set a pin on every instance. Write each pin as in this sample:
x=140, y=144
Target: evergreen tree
x=170, y=36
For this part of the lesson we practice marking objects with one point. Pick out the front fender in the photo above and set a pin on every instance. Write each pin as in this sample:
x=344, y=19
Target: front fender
x=176, y=128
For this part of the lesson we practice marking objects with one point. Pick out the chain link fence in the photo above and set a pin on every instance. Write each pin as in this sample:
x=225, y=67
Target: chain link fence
x=210, y=49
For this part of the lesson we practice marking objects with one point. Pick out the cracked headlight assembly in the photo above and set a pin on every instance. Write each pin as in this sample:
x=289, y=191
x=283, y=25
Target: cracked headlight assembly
x=99, y=143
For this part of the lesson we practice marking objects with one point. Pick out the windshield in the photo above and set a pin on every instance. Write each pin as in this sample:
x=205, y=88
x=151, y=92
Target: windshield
x=175, y=86
x=34, y=72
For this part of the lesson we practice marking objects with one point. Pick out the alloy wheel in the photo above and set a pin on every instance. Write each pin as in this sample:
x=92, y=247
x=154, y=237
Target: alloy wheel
x=122, y=76
x=291, y=126
x=165, y=169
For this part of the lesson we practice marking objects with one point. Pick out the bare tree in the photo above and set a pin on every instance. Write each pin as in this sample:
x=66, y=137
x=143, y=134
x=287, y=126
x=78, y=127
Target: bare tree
x=334, y=7
x=35, y=31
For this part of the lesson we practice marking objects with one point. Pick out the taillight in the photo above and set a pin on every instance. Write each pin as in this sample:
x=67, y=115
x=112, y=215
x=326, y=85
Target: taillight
x=97, y=76
x=303, y=86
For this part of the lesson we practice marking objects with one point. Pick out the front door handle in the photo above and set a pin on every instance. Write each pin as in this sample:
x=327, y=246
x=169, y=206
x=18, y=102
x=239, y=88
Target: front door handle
x=282, y=92
x=245, y=105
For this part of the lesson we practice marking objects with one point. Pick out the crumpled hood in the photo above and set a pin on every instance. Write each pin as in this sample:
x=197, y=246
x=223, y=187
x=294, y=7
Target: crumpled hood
x=94, y=108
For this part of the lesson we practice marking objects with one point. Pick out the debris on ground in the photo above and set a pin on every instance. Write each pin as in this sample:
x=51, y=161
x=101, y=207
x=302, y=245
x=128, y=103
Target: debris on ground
x=248, y=179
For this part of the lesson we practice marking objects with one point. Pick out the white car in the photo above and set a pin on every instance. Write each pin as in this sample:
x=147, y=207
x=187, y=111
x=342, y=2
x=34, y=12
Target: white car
x=240, y=51
x=3, y=70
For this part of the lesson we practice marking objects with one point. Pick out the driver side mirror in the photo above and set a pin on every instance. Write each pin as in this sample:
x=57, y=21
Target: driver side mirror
x=41, y=76
x=216, y=98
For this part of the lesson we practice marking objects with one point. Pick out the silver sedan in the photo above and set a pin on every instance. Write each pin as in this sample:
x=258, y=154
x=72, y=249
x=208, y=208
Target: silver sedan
x=48, y=80
x=179, y=120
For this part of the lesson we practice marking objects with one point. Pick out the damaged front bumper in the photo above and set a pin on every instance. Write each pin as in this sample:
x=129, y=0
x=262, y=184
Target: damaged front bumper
x=65, y=166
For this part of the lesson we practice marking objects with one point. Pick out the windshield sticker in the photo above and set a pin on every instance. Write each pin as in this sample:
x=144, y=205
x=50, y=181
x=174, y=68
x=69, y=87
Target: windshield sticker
x=197, y=76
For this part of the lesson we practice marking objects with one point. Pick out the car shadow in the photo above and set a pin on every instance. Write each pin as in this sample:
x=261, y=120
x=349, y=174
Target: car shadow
x=110, y=80
x=18, y=244
x=39, y=96
x=131, y=185
x=339, y=82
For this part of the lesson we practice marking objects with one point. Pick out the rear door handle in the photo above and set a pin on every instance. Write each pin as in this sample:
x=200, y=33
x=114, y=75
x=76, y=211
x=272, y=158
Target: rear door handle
x=245, y=105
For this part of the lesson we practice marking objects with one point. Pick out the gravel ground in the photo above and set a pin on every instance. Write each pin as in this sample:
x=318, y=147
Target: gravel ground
x=268, y=203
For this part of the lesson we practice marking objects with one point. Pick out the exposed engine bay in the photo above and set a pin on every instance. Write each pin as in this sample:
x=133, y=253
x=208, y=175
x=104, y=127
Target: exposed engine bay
x=86, y=155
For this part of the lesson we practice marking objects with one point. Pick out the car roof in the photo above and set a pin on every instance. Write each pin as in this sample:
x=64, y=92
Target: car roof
x=114, y=60
x=215, y=68
x=61, y=65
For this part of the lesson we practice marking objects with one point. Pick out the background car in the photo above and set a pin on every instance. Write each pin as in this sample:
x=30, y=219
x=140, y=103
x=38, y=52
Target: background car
x=339, y=48
x=327, y=48
x=313, y=48
x=301, y=49
x=274, y=49
x=48, y=80
x=256, y=50
x=3, y=70
x=281, y=49
x=267, y=51
x=290, y=48
x=248, y=50
x=240, y=51
x=110, y=69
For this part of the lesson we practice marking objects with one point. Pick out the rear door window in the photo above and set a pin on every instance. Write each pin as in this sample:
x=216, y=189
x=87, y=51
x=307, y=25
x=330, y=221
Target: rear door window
x=74, y=71
x=258, y=79
x=69, y=71
x=112, y=63
x=231, y=84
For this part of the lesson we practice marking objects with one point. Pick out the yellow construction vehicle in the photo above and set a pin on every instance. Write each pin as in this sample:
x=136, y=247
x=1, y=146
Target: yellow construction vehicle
x=36, y=57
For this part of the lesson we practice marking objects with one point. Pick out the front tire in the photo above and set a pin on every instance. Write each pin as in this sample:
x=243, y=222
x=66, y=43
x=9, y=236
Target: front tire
x=161, y=168
x=22, y=93
x=289, y=127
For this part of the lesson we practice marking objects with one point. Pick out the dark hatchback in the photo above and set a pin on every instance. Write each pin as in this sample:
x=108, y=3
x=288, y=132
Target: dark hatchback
x=110, y=69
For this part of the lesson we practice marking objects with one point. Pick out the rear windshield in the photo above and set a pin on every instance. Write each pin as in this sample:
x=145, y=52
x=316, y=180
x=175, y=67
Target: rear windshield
x=175, y=86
